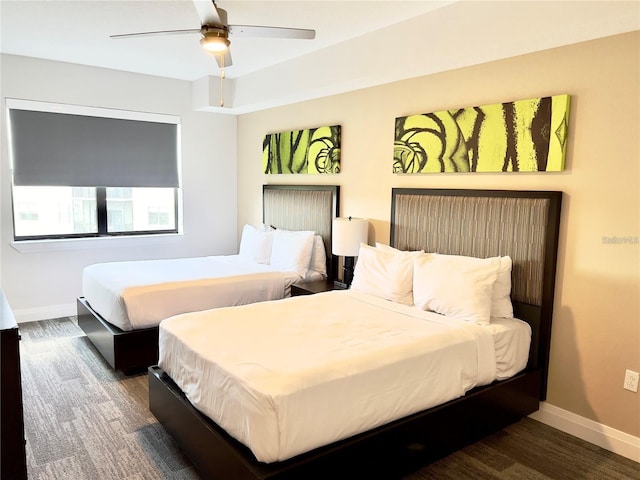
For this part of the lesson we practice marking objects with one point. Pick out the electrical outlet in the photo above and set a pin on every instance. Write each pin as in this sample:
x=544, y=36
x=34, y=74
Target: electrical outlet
x=631, y=380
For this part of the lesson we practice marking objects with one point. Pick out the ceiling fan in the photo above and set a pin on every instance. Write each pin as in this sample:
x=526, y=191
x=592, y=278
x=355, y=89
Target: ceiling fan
x=215, y=31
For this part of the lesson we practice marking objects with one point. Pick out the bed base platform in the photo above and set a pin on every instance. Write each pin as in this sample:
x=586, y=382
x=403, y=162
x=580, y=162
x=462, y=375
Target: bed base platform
x=522, y=224
x=390, y=451
x=292, y=207
x=130, y=352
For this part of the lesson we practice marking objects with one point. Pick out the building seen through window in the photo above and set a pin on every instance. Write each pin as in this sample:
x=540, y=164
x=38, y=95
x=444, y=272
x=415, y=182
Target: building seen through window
x=60, y=211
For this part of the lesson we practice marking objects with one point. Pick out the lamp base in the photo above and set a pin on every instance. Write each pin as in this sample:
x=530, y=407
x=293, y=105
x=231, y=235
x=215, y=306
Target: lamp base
x=339, y=284
x=347, y=271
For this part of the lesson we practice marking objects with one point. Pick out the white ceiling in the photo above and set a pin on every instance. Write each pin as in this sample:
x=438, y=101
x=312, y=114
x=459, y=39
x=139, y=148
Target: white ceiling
x=358, y=43
x=78, y=31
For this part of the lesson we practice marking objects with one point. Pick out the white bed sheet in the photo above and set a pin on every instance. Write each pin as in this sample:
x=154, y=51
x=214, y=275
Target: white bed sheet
x=288, y=376
x=139, y=294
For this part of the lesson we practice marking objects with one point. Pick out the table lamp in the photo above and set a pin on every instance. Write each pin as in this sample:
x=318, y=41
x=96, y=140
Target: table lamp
x=346, y=236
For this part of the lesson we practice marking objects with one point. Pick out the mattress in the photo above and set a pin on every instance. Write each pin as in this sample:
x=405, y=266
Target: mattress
x=288, y=376
x=139, y=294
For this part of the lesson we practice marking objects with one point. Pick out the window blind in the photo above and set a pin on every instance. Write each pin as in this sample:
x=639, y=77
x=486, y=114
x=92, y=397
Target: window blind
x=59, y=149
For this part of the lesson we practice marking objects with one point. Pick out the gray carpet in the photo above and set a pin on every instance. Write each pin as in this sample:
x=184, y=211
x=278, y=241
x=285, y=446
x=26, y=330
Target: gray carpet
x=84, y=421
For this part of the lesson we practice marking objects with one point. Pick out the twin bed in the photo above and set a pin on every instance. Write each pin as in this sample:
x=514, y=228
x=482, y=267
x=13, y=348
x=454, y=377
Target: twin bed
x=370, y=381
x=123, y=302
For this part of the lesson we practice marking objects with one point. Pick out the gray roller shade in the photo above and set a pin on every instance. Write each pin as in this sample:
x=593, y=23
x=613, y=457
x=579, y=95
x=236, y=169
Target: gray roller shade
x=58, y=149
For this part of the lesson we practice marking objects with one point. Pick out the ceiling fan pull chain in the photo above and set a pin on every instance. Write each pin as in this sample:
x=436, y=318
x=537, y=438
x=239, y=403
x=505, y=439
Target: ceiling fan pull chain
x=222, y=81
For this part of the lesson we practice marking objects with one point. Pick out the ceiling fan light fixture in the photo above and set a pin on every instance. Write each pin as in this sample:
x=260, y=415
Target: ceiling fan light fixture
x=214, y=39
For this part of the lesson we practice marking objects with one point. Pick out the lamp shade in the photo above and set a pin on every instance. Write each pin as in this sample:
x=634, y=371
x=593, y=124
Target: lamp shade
x=214, y=44
x=214, y=38
x=347, y=234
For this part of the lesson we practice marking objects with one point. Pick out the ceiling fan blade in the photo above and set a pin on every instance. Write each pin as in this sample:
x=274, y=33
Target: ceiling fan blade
x=209, y=13
x=271, y=32
x=161, y=32
x=227, y=59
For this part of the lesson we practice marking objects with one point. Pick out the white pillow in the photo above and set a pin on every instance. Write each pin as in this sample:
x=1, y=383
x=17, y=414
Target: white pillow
x=255, y=245
x=388, y=248
x=456, y=286
x=318, y=261
x=291, y=250
x=385, y=274
x=501, y=305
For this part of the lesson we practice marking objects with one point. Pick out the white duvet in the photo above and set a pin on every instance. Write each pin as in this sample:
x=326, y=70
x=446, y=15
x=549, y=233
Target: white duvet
x=139, y=294
x=288, y=376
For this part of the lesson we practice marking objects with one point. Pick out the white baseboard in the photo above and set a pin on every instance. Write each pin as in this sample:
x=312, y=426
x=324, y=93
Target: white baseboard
x=45, y=313
x=608, y=438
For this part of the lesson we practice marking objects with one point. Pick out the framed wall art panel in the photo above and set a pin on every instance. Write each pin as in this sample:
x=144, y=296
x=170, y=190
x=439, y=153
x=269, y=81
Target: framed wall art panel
x=310, y=151
x=521, y=136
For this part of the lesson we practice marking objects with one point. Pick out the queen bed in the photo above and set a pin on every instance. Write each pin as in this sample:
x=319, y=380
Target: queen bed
x=123, y=302
x=371, y=381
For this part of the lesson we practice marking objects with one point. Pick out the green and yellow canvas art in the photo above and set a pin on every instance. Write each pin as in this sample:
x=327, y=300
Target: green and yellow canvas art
x=312, y=151
x=521, y=136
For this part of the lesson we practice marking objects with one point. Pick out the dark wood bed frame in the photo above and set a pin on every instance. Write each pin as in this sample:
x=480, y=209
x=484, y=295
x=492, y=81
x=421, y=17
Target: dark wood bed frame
x=284, y=206
x=402, y=446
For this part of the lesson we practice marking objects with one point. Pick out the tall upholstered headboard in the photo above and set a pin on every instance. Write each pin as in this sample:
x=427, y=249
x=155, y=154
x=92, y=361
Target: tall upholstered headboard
x=485, y=223
x=303, y=207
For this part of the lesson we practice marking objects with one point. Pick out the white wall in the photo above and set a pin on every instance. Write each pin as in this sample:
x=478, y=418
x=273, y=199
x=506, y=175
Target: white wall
x=45, y=281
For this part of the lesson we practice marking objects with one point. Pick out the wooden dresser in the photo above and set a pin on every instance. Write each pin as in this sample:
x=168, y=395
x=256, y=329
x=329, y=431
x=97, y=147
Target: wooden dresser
x=13, y=463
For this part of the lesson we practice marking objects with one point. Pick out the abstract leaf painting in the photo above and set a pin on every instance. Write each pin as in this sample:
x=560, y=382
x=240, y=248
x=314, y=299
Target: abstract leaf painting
x=521, y=136
x=312, y=151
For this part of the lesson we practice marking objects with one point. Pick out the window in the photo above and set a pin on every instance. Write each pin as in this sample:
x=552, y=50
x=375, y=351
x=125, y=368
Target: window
x=53, y=211
x=129, y=209
x=83, y=172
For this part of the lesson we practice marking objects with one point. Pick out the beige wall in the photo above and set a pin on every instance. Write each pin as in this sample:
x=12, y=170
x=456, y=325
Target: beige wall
x=596, y=331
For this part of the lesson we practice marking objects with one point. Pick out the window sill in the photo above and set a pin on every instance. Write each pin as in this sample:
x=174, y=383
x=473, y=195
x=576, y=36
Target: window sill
x=58, y=245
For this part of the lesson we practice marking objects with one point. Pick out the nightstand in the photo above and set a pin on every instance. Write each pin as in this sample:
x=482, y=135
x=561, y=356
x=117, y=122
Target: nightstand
x=309, y=288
